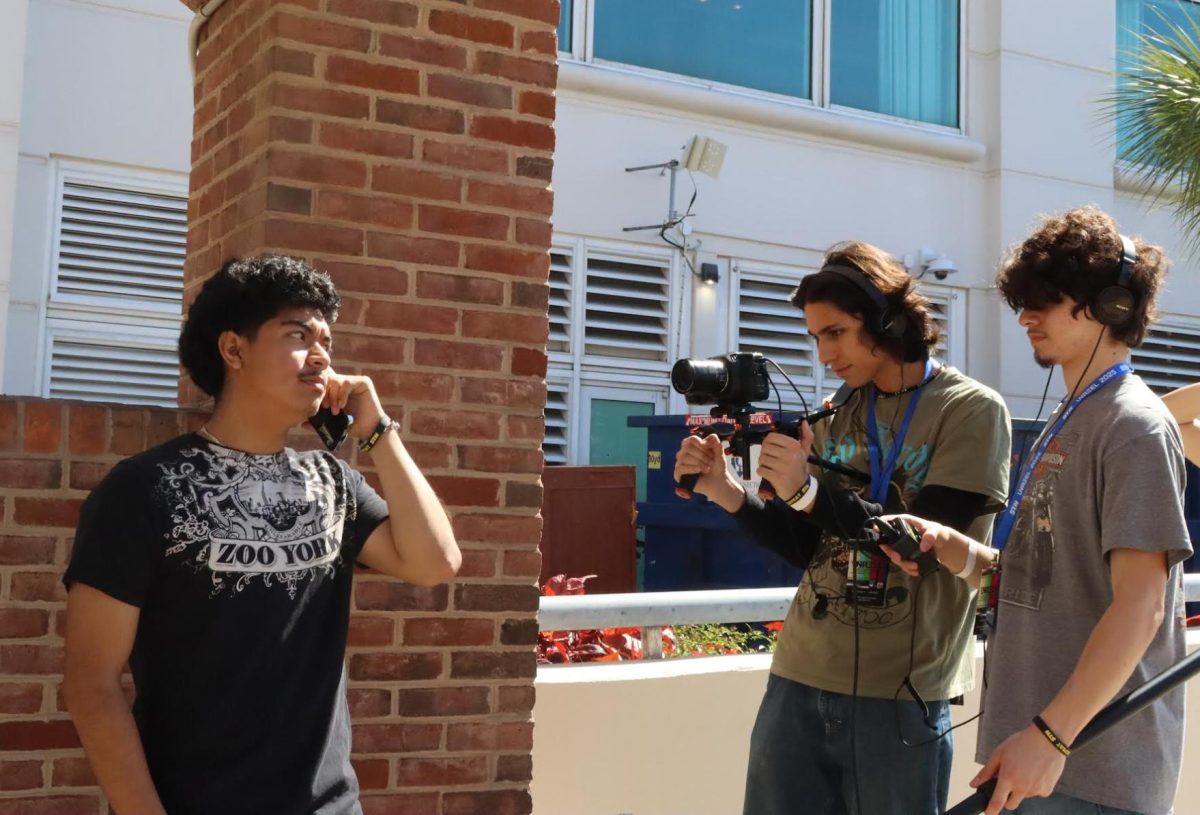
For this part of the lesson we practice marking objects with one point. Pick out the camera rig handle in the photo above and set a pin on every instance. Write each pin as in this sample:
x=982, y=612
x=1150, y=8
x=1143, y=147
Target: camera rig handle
x=743, y=426
x=904, y=539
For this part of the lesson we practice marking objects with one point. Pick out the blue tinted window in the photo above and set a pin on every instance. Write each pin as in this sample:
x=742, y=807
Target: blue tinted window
x=1145, y=17
x=761, y=44
x=897, y=57
x=564, y=25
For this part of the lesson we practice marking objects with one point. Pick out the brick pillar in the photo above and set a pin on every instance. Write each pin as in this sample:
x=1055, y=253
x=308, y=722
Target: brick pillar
x=406, y=148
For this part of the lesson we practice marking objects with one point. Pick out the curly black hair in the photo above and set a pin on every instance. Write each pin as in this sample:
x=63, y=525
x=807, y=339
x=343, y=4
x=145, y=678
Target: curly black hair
x=1078, y=254
x=244, y=295
x=893, y=282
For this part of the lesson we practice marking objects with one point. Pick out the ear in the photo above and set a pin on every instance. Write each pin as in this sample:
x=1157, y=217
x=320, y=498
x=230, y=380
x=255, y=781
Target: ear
x=231, y=346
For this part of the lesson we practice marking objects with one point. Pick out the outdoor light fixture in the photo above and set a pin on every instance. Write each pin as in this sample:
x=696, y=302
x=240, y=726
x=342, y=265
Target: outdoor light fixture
x=705, y=156
x=928, y=261
x=709, y=273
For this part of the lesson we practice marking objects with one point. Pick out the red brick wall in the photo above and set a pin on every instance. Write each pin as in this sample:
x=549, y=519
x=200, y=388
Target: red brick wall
x=51, y=454
x=407, y=149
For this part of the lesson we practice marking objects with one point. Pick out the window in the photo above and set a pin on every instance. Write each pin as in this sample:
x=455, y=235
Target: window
x=116, y=287
x=710, y=39
x=898, y=58
x=566, y=12
x=1170, y=356
x=1144, y=18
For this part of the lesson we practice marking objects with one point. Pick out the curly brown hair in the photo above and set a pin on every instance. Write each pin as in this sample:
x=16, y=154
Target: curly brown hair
x=894, y=283
x=1076, y=255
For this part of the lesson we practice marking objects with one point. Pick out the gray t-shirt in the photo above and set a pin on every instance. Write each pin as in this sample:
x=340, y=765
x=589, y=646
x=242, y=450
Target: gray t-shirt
x=1112, y=478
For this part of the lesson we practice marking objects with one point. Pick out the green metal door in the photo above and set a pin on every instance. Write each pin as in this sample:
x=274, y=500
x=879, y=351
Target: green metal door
x=612, y=441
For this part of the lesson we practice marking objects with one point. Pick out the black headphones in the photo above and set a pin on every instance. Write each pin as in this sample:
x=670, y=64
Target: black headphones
x=886, y=321
x=1114, y=304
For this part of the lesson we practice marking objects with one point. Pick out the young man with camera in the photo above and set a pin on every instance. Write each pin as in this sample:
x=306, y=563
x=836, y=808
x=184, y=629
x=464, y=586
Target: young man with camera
x=863, y=639
x=219, y=566
x=1086, y=564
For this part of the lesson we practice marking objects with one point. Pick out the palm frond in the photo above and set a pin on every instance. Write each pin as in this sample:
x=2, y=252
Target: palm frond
x=1156, y=106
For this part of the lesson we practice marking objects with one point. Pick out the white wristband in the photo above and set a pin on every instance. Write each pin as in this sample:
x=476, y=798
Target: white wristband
x=805, y=496
x=969, y=568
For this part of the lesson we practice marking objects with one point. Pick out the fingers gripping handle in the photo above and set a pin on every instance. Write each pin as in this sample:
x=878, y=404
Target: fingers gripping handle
x=977, y=802
x=766, y=490
x=686, y=485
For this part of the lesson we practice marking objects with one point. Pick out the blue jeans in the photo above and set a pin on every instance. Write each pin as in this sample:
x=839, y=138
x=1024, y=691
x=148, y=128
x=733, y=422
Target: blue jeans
x=1062, y=805
x=801, y=763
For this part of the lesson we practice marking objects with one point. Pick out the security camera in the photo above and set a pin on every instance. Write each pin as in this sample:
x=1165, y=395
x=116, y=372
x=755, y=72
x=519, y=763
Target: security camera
x=942, y=267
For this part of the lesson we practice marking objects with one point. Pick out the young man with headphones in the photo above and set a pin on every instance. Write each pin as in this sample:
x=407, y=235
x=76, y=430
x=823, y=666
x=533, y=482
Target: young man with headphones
x=869, y=657
x=1085, y=567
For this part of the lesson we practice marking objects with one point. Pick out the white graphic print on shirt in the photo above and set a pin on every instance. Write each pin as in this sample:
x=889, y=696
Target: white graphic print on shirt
x=243, y=517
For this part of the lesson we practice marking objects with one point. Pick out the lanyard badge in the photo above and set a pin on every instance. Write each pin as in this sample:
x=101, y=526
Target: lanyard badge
x=866, y=578
x=989, y=588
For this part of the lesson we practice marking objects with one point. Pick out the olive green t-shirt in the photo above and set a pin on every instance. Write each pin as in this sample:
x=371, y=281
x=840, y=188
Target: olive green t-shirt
x=959, y=437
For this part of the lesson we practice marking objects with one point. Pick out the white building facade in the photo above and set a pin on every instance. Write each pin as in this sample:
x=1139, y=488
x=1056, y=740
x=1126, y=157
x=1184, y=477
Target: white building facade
x=937, y=129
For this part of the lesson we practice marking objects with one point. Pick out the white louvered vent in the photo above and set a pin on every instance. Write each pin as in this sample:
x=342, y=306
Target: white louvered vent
x=557, y=423
x=121, y=244
x=769, y=324
x=1170, y=356
x=562, y=279
x=627, y=311
x=107, y=369
x=939, y=305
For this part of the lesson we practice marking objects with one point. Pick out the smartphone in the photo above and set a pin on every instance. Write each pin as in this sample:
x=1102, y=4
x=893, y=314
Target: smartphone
x=332, y=428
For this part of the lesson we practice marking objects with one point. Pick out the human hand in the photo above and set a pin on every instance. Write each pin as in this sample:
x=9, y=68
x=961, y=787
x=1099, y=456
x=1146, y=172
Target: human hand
x=935, y=537
x=784, y=461
x=705, y=458
x=355, y=395
x=1025, y=765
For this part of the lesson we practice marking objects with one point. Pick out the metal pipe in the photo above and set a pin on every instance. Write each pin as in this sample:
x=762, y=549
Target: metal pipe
x=649, y=609
x=202, y=16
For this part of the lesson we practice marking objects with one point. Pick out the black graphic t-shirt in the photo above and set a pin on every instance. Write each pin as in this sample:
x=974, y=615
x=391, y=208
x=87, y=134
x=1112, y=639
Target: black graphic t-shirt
x=242, y=568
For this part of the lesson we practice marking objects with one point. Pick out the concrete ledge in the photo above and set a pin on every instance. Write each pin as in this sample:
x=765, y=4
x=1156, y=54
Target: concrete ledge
x=617, y=83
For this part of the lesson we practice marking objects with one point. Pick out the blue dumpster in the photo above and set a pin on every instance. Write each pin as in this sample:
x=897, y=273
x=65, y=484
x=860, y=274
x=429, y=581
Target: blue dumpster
x=694, y=544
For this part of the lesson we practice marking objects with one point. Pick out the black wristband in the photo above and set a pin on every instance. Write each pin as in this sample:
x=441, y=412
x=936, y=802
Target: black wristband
x=385, y=424
x=1051, y=736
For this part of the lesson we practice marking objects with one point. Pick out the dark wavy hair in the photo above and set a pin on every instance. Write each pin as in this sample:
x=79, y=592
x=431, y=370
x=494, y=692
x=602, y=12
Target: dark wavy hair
x=1076, y=255
x=241, y=297
x=894, y=283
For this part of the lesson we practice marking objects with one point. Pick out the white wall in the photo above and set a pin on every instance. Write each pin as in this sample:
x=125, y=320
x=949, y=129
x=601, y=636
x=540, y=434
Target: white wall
x=12, y=63
x=106, y=83
x=672, y=737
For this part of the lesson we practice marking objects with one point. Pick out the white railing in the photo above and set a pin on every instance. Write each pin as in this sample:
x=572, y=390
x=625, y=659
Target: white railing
x=650, y=611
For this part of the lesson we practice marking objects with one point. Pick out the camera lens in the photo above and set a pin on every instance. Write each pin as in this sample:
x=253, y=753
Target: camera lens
x=700, y=376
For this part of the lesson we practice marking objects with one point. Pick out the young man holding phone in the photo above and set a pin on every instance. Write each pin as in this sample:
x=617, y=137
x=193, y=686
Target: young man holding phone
x=219, y=566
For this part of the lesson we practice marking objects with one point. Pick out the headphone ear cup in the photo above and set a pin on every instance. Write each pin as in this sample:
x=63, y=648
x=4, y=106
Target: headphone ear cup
x=893, y=324
x=1113, y=306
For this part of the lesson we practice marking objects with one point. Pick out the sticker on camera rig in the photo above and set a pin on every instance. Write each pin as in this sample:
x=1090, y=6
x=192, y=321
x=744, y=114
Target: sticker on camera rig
x=704, y=420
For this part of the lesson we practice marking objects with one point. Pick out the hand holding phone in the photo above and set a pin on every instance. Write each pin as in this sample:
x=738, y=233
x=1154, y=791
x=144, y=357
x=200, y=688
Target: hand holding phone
x=332, y=428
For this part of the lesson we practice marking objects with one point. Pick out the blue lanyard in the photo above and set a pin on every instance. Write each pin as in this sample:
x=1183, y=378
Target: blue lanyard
x=1005, y=525
x=881, y=473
